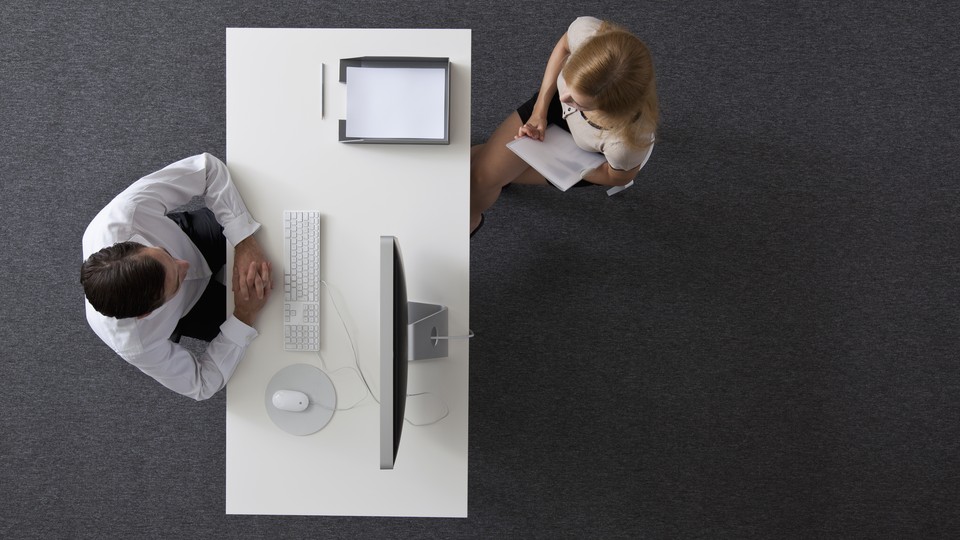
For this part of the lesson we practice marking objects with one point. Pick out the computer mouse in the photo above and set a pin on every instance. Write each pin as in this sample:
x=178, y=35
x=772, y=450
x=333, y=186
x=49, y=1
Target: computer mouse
x=290, y=400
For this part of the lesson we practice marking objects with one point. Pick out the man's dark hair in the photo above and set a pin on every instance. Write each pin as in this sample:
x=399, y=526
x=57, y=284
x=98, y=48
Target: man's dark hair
x=121, y=282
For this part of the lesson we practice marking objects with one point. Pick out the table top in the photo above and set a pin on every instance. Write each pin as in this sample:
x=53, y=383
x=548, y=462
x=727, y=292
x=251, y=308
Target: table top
x=284, y=155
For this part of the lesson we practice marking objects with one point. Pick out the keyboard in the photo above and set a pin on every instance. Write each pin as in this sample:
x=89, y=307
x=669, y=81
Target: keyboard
x=301, y=281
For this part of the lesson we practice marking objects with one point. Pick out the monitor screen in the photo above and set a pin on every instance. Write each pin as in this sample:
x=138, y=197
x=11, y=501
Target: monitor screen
x=393, y=349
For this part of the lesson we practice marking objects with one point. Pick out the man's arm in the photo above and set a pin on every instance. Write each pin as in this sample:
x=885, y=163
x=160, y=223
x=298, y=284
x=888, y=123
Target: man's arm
x=224, y=200
x=221, y=196
x=201, y=376
x=250, y=291
x=197, y=376
x=248, y=252
x=203, y=175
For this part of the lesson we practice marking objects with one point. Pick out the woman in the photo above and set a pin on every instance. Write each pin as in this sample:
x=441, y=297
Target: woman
x=599, y=85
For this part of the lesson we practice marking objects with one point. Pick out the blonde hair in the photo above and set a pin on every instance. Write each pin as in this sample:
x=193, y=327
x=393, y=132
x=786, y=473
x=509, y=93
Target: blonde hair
x=616, y=69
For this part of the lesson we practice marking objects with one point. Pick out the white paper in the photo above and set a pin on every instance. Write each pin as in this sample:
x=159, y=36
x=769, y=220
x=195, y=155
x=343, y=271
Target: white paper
x=395, y=103
x=557, y=157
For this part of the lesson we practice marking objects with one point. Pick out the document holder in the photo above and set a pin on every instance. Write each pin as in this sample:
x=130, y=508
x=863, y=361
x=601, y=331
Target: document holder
x=396, y=100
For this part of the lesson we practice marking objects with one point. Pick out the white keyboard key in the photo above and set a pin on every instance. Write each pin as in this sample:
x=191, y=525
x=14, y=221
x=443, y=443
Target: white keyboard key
x=301, y=280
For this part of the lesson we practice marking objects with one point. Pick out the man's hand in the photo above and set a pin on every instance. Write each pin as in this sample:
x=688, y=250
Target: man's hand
x=250, y=291
x=246, y=253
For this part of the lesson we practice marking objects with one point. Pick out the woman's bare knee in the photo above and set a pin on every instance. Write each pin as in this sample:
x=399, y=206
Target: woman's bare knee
x=481, y=176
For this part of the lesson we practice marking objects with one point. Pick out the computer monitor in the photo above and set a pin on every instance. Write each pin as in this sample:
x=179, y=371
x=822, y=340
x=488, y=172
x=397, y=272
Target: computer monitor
x=408, y=331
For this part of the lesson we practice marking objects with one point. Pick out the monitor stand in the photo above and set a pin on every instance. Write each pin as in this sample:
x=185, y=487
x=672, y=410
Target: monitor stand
x=427, y=321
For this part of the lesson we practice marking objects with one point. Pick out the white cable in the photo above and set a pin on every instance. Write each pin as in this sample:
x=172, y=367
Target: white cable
x=468, y=336
x=446, y=411
x=353, y=347
x=322, y=406
x=359, y=370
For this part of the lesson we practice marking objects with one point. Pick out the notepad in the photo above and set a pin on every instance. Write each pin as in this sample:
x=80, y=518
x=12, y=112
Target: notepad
x=396, y=103
x=557, y=157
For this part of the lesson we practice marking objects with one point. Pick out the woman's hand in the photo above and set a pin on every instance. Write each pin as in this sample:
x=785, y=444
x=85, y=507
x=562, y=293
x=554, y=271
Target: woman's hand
x=534, y=128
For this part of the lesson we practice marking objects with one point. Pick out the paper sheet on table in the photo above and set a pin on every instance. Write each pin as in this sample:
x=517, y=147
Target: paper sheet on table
x=557, y=157
x=395, y=103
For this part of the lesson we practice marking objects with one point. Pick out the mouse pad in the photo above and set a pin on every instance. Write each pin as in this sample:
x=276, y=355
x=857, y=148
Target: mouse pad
x=316, y=385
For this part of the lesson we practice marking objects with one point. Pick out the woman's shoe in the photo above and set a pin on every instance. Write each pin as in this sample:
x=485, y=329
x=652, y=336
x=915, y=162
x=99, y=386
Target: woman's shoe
x=479, y=225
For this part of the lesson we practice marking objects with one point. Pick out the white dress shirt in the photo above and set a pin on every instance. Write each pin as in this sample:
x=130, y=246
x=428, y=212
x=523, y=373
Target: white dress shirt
x=138, y=214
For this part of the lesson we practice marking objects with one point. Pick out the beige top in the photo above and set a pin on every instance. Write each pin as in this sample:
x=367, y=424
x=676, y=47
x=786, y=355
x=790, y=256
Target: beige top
x=619, y=155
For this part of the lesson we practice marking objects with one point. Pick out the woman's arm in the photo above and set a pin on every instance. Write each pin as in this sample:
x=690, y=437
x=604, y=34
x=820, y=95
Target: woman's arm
x=535, y=127
x=605, y=175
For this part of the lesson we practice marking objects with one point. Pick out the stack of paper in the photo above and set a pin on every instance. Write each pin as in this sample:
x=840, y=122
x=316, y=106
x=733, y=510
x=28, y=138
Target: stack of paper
x=557, y=157
x=396, y=103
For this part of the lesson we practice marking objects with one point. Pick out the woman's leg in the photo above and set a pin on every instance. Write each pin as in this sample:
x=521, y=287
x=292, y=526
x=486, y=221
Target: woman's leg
x=493, y=165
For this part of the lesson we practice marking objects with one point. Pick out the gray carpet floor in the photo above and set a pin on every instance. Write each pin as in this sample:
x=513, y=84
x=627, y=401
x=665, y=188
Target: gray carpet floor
x=758, y=340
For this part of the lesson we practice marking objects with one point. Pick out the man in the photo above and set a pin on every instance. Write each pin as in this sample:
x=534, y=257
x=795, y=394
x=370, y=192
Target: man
x=148, y=276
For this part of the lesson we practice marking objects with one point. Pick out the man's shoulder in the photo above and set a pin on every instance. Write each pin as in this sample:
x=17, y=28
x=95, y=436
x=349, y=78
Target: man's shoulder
x=112, y=224
x=121, y=335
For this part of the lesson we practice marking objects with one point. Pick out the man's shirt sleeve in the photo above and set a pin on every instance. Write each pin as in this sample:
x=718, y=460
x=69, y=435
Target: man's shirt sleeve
x=197, y=376
x=202, y=175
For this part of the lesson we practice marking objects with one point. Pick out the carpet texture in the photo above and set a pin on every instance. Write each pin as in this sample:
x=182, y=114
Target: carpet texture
x=758, y=340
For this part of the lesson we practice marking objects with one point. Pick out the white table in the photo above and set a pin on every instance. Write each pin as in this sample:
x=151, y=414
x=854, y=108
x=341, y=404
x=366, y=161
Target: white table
x=284, y=156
